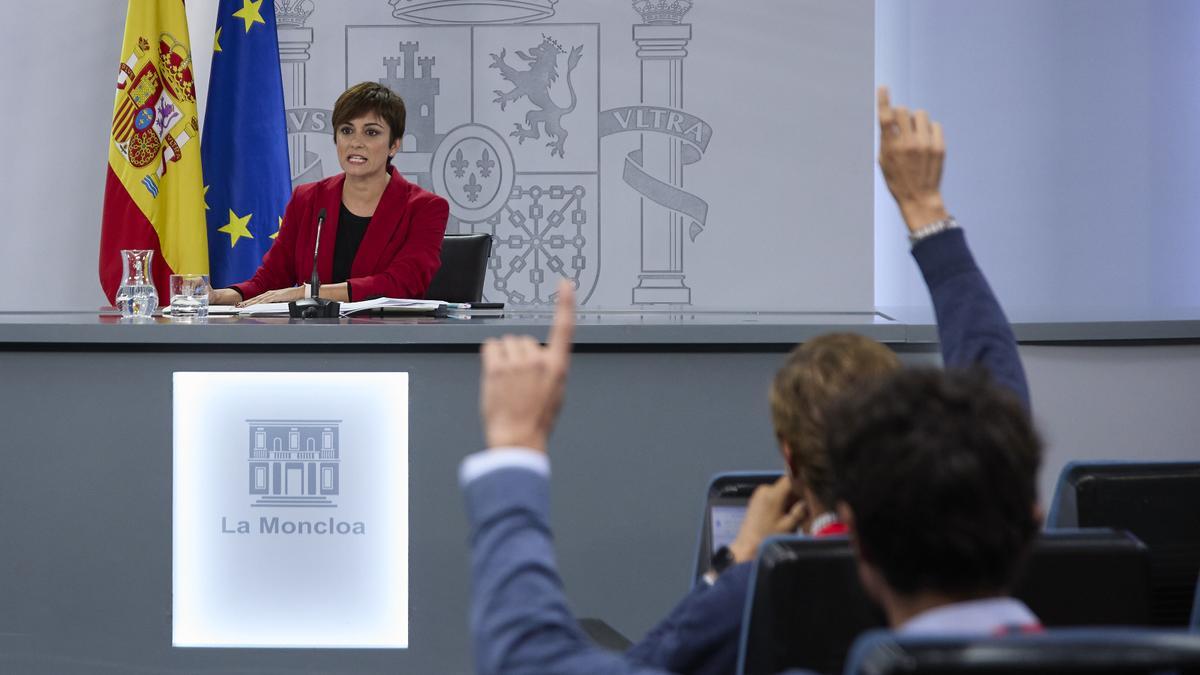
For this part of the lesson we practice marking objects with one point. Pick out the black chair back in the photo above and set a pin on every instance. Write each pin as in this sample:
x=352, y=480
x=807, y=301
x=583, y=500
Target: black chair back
x=724, y=504
x=1159, y=502
x=464, y=266
x=1082, y=651
x=807, y=606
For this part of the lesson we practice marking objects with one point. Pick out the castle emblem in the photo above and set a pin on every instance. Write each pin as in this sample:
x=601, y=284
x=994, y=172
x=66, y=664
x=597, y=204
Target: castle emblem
x=419, y=92
x=294, y=463
x=148, y=125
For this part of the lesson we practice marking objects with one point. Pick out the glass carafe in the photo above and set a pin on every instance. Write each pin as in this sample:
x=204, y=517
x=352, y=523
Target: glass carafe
x=136, y=297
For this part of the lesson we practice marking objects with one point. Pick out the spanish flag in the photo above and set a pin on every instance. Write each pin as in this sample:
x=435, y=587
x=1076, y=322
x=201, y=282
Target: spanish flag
x=154, y=196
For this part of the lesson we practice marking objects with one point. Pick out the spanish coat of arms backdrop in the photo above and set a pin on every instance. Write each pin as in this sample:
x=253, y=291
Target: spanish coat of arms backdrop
x=686, y=154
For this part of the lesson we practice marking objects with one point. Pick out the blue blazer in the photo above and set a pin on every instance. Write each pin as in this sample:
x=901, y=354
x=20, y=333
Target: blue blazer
x=520, y=622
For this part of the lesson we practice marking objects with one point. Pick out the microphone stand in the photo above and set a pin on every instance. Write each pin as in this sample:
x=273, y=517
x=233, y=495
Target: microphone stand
x=315, y=307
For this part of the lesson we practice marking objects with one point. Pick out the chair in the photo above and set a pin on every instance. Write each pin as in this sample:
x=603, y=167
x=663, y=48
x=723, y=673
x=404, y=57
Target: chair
x=1081, y=651
x=806, y=606
x=1159, y=502
x=725, y=503
x=1196, y=609
x=464, y=265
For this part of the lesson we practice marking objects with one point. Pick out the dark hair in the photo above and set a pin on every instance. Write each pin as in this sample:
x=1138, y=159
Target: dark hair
x=815, y=374
x=371, y=97
x=940, y=471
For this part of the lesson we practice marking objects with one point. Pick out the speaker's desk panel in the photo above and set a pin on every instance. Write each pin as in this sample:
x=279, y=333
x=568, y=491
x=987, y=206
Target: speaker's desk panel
x=656, y=403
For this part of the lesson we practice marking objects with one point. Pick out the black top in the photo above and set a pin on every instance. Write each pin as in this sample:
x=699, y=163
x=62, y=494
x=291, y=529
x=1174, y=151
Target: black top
x=351, y=229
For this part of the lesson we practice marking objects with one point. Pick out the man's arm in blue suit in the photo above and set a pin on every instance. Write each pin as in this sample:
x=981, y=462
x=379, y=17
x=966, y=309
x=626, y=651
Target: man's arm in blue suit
x=700, y=635
x=520, y=622
x=971, y=324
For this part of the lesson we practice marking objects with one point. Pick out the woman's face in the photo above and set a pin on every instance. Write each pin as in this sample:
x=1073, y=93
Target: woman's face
x=362, y=145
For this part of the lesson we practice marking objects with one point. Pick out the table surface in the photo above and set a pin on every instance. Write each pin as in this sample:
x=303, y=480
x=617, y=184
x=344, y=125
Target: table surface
x=895, y=326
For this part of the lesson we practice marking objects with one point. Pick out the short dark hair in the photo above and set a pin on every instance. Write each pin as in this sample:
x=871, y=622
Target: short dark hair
x=815, y=374
x=371, y=97
x=940, y=471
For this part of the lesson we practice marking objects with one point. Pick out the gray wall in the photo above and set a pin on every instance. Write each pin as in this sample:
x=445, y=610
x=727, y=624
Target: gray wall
x=1071, y=128
x=1114, y=402
x=53, y=167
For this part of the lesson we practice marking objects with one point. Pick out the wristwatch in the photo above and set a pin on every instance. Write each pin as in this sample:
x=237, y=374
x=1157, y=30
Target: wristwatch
x=947, y=223
x=721, y=560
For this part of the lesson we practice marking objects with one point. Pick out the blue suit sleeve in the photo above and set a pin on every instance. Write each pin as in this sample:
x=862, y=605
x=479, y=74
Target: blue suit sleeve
x=972, y=327
x=520, y=622
x=700, y=635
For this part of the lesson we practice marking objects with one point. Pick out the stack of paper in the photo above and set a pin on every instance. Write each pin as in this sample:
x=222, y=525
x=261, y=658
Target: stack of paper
x=399, y=305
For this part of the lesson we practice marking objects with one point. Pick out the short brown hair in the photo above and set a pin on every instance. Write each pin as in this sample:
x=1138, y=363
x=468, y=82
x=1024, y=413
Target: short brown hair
x=940, y=469
x=371, y=97
x=816, y=373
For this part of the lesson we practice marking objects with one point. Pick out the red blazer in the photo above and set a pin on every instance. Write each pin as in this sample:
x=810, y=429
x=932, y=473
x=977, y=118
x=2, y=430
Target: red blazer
x=397, y=258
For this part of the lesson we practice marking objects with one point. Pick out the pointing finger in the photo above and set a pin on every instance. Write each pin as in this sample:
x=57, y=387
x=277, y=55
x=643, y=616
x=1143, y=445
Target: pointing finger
x=884, y=104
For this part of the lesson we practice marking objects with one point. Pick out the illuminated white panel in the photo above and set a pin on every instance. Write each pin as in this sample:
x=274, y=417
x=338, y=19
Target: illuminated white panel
x=277, y=544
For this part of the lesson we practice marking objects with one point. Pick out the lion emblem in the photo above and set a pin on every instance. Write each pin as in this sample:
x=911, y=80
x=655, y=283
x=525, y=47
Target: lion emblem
x=534, y=83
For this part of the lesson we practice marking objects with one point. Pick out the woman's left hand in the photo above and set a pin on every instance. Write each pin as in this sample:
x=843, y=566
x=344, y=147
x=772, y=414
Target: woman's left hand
x=279, y=295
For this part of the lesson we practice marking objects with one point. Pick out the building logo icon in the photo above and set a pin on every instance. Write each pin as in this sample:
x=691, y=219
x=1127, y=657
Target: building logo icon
x=294, y=463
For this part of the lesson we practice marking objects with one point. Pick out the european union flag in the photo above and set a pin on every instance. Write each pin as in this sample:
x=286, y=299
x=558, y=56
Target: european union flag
x=247, y=179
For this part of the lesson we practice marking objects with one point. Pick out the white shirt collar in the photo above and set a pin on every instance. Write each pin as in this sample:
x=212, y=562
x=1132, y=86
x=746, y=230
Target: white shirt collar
x=971, y=617
x=821, y=522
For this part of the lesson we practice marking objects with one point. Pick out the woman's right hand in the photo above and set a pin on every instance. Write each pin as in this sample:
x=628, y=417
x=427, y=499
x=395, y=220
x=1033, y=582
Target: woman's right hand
x=224, y=296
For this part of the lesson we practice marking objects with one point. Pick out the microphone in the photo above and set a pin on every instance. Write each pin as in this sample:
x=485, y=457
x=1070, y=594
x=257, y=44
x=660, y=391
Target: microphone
x=315, y=281
x=315, y=307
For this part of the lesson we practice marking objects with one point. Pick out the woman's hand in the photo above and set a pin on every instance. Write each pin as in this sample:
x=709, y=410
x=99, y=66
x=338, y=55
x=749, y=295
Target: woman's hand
x=280, y=295
x=224, y=296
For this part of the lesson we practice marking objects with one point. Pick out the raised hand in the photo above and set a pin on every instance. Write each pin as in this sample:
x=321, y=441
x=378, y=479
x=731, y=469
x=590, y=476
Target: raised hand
x=523, y=382
x=911, y=154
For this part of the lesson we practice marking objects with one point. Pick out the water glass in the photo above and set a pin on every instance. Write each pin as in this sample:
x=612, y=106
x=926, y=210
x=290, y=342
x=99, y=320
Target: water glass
x=189, y=296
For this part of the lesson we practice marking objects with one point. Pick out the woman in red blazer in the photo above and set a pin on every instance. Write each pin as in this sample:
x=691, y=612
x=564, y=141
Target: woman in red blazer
x=382, y=235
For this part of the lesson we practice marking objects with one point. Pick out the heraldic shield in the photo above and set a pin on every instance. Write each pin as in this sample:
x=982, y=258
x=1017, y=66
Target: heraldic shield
x=508, y=132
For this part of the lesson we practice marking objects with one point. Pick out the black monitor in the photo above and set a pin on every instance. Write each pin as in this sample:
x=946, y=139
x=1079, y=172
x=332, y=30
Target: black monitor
x=807, y=606
x=1159, y=502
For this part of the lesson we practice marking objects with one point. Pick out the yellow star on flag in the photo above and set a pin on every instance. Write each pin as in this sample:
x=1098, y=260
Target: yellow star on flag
x=206, y=196
x=276, y=235
x=249, y=13
x=236, y=228
x=217, y=40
